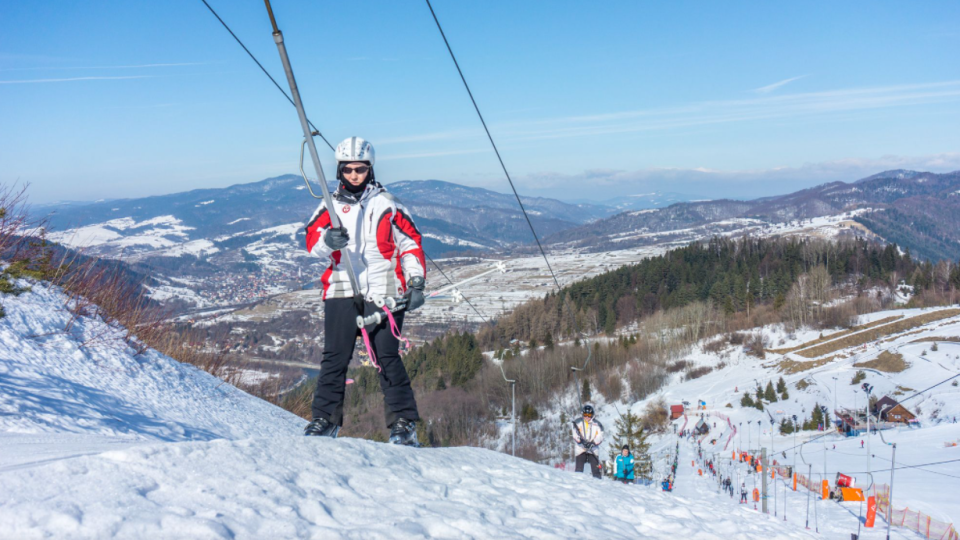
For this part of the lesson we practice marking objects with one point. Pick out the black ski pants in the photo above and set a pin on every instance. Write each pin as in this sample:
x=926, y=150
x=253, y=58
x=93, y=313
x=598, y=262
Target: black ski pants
x=340, y=335
x=587, y=457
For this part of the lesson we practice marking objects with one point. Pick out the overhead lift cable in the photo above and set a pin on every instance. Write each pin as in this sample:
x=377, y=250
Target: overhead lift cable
x=533, y=230
x=536, y=238
x=493, y=144
x=317, y=131
x=264, y=70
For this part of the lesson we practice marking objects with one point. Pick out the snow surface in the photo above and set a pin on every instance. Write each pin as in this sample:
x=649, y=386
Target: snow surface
x=106, y=236
x=97, y=442
x=929, y=489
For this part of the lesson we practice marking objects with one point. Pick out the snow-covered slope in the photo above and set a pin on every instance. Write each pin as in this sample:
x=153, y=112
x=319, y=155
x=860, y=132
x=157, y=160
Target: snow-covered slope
x=827, y=379
x=63, y=376
x=96, y=442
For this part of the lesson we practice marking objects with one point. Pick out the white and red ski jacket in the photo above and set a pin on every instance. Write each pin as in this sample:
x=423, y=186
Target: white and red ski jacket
x=385, y=246
x=587, y=431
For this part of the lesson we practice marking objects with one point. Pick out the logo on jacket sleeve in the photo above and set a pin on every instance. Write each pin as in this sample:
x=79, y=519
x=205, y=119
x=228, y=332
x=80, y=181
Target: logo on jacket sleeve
x=346, y=209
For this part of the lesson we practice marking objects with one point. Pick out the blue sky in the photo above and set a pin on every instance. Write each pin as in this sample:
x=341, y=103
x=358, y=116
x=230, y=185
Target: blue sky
x=587, y=100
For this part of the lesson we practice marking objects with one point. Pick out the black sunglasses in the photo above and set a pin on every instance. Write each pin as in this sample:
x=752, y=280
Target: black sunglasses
x=359, y=170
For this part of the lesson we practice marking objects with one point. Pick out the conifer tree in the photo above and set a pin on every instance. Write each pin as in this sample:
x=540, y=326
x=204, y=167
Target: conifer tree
x=629, y=431
x=585, y=392
x=769, y=394
x=781, y=386
x=548, y=341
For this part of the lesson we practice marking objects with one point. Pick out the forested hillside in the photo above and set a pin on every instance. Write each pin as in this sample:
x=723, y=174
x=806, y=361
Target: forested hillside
x=735, y=275
x=658, y=309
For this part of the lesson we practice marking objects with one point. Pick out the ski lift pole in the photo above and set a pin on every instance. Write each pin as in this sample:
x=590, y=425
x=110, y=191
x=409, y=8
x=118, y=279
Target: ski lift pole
x=308, y=139
x=893, y=466
x=816, y=512
x=513, y=406
x=809, y=479
x=893, y=463
x=577, y=391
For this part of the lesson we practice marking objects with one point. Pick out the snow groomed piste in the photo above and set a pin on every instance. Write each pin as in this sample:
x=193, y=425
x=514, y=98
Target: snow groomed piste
x=101, y=443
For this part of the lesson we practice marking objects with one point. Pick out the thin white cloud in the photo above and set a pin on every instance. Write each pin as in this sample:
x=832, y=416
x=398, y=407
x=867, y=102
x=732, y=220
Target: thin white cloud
x=760, y=108
x=72, y=79
x=130, y=66
x=437, y=136
x=771, y=87
x=740, y=110
x=390, y=157
x=737, y=183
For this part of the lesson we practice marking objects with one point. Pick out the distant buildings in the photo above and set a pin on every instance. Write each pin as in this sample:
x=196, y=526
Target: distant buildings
x=676, y=411
x=889, y=410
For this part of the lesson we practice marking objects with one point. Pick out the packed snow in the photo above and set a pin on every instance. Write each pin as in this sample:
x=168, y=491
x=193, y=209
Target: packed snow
x=828, y=381
x=158, y=233
x=98, y=442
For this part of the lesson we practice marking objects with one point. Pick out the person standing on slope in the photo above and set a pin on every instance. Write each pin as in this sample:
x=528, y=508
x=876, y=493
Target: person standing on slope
x=623, y=467
x=384, y=245
x=587, y=434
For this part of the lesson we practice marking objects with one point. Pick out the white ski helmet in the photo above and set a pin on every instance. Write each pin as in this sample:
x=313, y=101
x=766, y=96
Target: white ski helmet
x=355, y=149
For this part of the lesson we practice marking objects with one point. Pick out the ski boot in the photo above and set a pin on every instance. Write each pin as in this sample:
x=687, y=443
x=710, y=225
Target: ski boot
x=321, y=427
x=404, y=432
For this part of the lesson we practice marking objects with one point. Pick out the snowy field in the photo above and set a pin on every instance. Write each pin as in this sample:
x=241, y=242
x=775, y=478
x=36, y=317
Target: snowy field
x=98, y=443
x=825, y=518
x=930, y=489
x=528, y=277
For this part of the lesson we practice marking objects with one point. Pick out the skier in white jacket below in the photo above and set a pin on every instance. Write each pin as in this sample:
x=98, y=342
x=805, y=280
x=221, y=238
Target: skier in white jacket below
x=587, y=434
x=384, y=246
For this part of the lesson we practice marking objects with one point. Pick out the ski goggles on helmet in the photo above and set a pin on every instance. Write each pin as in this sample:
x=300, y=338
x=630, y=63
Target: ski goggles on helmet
x=360, y=169
x=588, y=414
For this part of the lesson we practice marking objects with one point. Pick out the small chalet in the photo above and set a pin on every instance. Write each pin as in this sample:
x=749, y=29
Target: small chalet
x=702, y=427
x=676, y=411
x=888, y=409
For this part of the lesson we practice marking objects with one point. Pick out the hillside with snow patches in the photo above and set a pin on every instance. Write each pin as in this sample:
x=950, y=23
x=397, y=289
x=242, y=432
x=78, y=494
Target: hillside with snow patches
x=98, y=442
x=900, y=352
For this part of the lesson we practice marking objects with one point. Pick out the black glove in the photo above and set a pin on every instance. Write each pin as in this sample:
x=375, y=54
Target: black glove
x=414, y=294
x=336, y=239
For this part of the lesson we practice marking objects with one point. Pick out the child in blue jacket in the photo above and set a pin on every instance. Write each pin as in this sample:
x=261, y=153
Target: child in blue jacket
x=623, y=468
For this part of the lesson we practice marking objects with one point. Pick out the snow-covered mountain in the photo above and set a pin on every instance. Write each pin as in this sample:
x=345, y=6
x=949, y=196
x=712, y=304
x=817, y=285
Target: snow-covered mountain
x=97, y=442
x=919, y=210
x=210, y=221
x=216, y=247
x=643, y=201
x=237, y=245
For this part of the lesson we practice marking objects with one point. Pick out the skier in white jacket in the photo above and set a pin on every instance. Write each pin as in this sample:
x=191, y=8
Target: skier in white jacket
x=587, y=434
x=384, y=246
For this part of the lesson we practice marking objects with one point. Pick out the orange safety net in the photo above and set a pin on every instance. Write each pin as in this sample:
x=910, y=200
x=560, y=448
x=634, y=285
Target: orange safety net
x=912, y=519
x=909, y=519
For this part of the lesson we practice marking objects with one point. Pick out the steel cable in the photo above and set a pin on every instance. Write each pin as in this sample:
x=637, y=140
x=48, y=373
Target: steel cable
x=284, y=92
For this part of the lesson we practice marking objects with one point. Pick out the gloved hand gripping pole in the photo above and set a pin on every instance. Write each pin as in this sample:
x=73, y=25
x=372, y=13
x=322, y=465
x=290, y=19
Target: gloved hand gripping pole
x=308, y=140
x=389, y=304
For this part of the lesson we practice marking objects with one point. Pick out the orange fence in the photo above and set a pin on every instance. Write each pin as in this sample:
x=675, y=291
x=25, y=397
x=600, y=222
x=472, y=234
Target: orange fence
x=909, y=519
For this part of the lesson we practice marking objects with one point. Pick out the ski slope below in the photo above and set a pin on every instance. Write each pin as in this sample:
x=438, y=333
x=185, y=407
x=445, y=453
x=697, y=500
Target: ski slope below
x=827, y=380
x=97, y=442
x=827, y=518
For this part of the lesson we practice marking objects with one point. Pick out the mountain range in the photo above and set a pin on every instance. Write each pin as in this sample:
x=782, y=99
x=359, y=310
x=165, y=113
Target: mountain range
x=243, y=242
x=918, y=210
